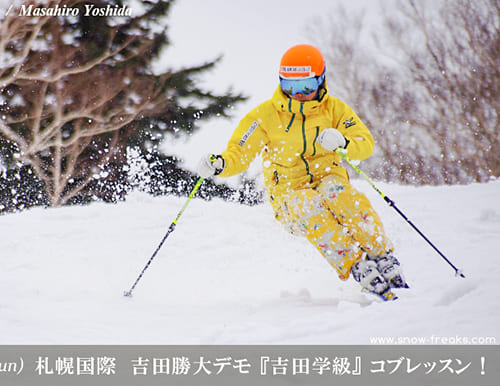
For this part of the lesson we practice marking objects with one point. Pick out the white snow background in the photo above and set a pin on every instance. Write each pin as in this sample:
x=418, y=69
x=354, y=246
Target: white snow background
x=229, y=274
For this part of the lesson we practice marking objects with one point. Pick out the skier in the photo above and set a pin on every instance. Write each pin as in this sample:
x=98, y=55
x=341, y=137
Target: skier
x=297, y=132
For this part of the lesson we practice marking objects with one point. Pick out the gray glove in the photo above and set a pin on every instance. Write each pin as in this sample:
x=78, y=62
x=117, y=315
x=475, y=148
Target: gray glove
x=331, y=139
x=210, y=165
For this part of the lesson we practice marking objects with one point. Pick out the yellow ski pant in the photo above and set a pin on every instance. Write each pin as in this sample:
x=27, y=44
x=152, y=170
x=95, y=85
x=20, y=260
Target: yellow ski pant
x=338, y=220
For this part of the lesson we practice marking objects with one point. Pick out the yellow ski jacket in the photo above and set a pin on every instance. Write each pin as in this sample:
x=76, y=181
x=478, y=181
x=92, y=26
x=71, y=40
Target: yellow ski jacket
x=284, y=131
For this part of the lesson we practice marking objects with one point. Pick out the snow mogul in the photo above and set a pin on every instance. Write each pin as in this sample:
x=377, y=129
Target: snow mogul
x=298, y=133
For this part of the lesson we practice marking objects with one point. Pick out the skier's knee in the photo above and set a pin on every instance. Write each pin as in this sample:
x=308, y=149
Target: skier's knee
x=297, y=210
x=304, y=204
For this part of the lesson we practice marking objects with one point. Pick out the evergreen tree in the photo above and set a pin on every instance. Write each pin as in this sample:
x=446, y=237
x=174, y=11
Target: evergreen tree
x=77, y=92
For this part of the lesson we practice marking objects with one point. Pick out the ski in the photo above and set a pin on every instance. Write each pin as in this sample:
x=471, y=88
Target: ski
x=386, y=296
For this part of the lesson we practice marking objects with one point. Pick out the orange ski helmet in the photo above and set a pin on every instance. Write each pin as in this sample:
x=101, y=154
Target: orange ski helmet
x=302, y=61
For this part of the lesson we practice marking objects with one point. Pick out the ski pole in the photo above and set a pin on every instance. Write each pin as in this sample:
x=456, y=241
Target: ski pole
x=170, y=230
x=458, y=272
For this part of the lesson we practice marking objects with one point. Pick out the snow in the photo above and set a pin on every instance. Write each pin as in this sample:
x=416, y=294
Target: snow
x=229, y=274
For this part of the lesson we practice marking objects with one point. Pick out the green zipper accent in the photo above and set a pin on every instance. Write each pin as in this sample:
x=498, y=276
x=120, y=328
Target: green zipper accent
x=305, y=142
x=290, y=124
x=315, y=138
x=293, y=115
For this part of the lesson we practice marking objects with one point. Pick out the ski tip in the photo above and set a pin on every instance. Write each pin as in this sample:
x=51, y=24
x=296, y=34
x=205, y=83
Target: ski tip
x=388, y=295
x=460, y=273
x=127, y=294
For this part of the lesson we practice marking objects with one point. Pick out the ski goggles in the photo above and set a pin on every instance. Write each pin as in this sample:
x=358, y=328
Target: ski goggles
x=305, y=86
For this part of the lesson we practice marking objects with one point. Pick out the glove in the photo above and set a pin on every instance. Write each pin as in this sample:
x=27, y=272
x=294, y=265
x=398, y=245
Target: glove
x=331, y=139
x=210, y=165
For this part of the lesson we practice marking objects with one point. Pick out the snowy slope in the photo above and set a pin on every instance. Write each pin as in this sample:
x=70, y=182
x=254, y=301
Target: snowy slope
x=229, y=274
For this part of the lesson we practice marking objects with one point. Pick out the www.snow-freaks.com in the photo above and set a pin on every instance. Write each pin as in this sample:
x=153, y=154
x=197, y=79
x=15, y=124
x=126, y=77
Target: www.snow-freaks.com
x=88, y=10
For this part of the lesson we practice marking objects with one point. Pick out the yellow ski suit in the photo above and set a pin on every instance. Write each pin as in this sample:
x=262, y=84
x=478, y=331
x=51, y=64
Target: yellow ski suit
x=307, y=188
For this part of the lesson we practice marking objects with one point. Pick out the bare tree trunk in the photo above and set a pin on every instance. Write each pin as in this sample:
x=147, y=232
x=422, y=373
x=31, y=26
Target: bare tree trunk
x=69, y=98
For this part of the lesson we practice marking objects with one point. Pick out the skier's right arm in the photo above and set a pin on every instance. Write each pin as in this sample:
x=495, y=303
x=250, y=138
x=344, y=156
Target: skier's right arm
x=246, y=142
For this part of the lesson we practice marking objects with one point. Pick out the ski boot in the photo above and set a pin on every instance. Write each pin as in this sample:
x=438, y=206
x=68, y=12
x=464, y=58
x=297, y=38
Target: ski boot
x=390, y=269
x=365, y=272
